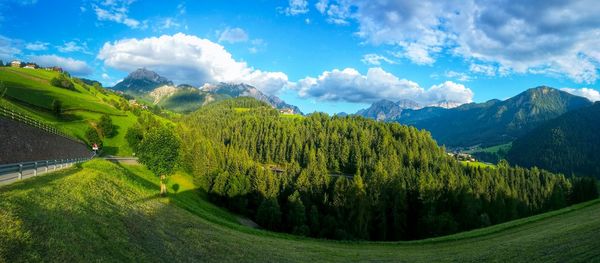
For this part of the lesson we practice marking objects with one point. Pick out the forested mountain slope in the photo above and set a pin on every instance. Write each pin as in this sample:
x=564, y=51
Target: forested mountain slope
x=494, y=122
x=569, y=144
x=350, y=177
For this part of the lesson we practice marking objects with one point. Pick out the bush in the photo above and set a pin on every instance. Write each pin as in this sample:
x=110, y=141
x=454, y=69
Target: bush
x=62, y=81
x=134, y=136
x=92, y=136
x=57, y=107
x=106, y=126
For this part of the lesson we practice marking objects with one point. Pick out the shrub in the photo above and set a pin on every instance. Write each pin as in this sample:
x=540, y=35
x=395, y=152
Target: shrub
x=92, y=136
x=62, y=81
x=106, y=126
x=57, y=107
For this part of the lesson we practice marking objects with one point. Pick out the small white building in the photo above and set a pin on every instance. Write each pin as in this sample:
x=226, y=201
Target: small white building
x=15, y=63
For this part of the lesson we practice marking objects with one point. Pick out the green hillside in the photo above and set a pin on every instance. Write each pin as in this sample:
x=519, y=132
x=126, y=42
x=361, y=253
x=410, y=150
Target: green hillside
x=105, y=212
x=29, y=91
x=569, y=144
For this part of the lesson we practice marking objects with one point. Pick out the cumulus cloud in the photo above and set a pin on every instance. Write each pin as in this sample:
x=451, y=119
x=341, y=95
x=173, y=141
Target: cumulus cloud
x=188, y=59
x=117, y=11
x=296, y=7
x=376, y=59
x=349, y=85
x=590, y=94
x=233, y=35
x=545, y=37
x=37, y=46
x=73, y=66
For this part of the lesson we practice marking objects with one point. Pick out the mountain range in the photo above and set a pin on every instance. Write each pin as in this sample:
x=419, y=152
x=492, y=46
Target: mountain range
x=150, y=86
x=483, y=124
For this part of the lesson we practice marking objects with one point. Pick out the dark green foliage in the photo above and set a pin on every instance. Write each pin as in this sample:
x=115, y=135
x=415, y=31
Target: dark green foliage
x=159, y=151
x=569, y=144
x=353, y=178
x=62, y=81
x=91, y=135
x=106, y=126
x=584, y=188
x=493, y=122
x=57, y=108
x=134, y=136
x=268, y=214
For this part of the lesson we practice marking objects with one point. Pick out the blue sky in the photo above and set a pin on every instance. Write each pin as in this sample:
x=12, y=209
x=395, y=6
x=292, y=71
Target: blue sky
x=332, y=56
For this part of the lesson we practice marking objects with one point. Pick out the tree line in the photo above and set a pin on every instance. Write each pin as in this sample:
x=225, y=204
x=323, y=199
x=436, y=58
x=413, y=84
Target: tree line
x=354, y=178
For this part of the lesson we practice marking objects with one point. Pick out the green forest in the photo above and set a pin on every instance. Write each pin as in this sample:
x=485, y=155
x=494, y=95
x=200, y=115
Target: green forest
x=351, y=178
x=569, y=144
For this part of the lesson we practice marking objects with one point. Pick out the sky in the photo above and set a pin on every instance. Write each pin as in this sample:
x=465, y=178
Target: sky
x=321, y=55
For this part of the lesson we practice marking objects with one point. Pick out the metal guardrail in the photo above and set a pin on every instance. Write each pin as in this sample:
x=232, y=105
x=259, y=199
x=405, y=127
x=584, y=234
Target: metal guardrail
x=19, y=117
x=17, y=171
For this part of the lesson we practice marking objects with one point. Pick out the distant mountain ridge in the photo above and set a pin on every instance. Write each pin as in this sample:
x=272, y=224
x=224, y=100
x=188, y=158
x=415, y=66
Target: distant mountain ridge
x=142, y=80
x=493, y=122
x=386, y=109
x=148, y=85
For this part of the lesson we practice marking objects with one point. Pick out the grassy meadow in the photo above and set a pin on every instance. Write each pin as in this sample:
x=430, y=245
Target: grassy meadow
x=107, y=212
x=29, y=92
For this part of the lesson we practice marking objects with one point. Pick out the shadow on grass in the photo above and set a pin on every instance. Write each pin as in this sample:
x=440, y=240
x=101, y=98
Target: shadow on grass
x=43, y=179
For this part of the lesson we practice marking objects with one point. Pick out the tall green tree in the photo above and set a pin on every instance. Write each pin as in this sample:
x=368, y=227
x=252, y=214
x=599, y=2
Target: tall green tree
x=159, y=151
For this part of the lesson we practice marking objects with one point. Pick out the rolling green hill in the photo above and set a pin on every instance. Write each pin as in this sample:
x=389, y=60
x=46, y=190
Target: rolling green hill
x=569, y=144
x=29, y=91
x=105, y=212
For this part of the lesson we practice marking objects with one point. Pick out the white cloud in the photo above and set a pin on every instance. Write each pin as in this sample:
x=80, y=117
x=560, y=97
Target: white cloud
x=117, y=11
x=73, y=66
x=37, y=46
x=375, y=59
x=539, y=37
x=460, y=76
x=590, y=94
x=187, y=59
x=169, y=23
x=73, y=46
x=8, y=49
x=351, y=86
x=296, y=7
x=181, y=8
x=105, y=76
x=322, y=6
x=233, y=35
x=487, y=70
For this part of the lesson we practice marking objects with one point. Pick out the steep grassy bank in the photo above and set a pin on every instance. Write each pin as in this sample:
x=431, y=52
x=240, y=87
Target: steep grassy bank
x=106, y=212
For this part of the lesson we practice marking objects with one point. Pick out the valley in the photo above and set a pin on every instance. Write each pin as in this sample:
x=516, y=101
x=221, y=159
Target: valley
x=299, y=131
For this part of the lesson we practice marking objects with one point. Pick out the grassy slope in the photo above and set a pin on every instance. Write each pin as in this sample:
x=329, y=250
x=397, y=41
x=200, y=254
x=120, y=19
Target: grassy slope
x=29, y=92
x=105, y=212
x=478, y=164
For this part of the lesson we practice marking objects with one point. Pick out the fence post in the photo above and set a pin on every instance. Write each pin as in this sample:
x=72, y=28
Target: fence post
x=20, y=171
x=46, y=167
x=54, y=166
x=35, y=166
